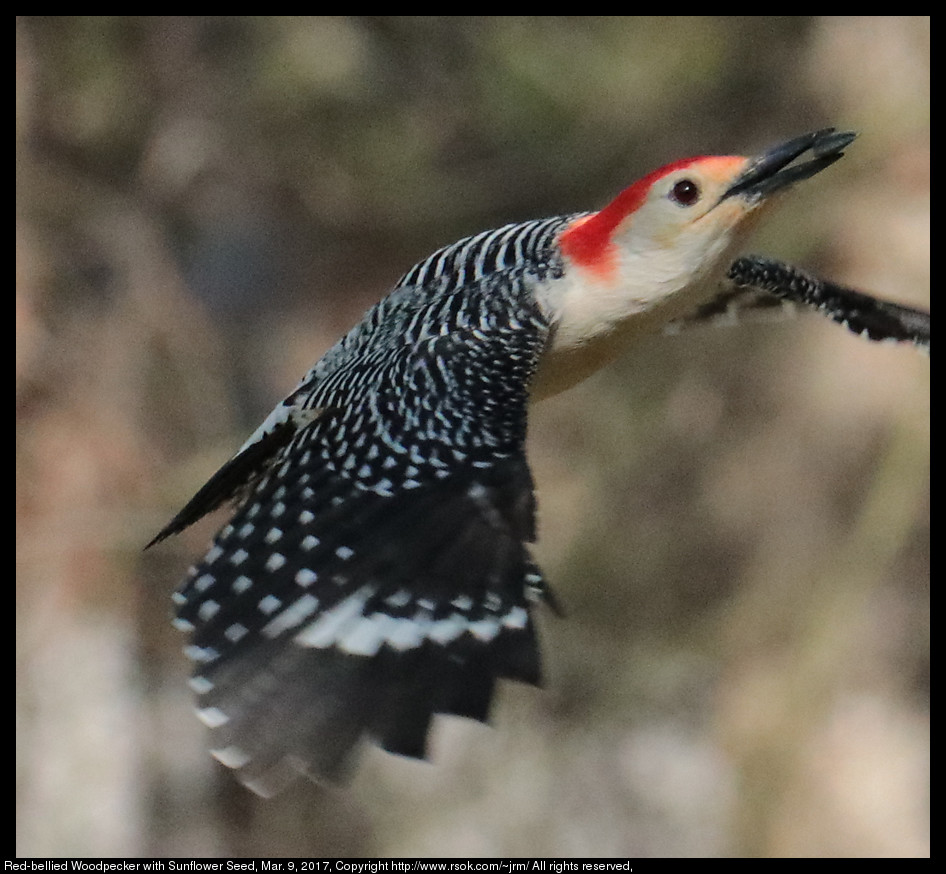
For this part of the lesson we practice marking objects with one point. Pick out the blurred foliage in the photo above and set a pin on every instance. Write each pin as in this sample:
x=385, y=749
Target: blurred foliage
x=737, y=521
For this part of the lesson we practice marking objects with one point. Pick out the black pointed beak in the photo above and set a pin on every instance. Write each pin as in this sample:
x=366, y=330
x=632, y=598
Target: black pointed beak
x=770, y=171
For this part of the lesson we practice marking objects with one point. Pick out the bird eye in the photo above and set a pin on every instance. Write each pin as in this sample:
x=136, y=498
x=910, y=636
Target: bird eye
x=685, y=192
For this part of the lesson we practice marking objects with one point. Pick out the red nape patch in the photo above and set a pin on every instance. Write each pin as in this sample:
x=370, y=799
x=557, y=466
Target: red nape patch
x=588, y=241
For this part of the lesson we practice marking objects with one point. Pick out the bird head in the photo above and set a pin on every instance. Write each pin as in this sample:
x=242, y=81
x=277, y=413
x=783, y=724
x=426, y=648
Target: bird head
x=659, y=249
x=693, y=207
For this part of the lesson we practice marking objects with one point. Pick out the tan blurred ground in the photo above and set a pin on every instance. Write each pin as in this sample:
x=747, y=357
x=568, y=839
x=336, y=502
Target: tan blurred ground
x=737, y=521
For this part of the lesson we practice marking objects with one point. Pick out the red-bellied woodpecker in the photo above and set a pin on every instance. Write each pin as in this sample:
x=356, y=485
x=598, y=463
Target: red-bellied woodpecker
x=377, y=568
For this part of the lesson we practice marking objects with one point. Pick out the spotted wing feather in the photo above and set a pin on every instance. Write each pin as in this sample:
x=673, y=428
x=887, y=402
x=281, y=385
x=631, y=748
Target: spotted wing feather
x=377, y=571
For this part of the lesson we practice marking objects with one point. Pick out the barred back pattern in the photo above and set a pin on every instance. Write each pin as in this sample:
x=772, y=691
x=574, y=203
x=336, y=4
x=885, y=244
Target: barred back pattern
x=377, y=570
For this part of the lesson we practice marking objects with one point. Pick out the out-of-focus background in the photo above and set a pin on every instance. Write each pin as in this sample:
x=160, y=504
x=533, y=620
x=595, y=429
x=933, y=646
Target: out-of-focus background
x=736, y=520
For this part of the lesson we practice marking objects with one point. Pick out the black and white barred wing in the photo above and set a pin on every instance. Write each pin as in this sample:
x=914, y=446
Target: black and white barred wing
x=378, y=571
x=863, y=314
x=758, y=288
